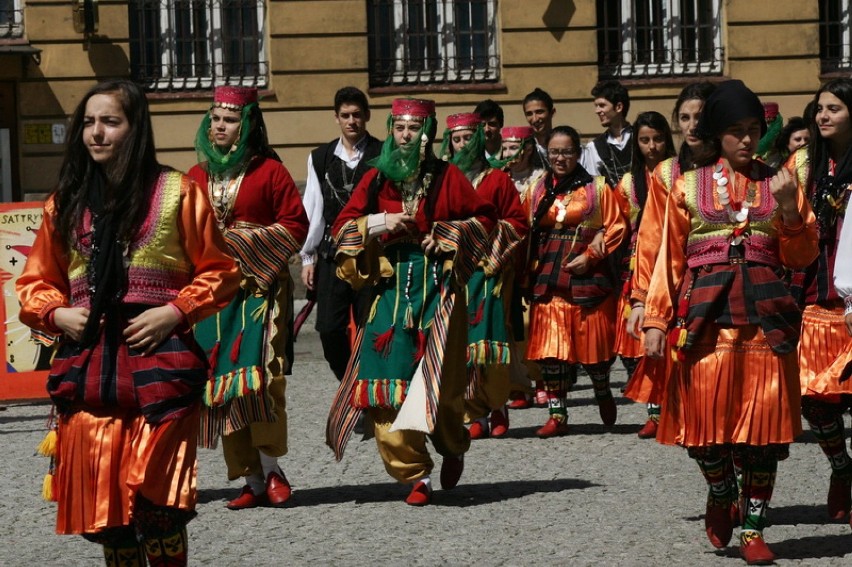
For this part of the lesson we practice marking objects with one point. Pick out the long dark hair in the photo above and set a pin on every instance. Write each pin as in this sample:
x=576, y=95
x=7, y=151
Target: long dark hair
x=819, y=147
x=693, y=91
x=655, y=121
x=129, y=176
x=258, y=140
x=782, y=142
x=823, y=188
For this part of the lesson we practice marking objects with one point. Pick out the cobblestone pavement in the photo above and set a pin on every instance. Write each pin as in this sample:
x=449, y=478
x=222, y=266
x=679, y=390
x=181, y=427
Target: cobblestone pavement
x=596, y=497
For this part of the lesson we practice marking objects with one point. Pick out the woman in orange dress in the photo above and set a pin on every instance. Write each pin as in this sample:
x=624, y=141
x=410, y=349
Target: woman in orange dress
x=127, y=260
x=652, y=143
x=824, y=171
x=572, y=316
x=647, y=381
x=732, y=226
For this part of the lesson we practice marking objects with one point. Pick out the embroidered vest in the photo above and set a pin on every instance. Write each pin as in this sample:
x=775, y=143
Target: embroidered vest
x=710, y=232
x=158, y=267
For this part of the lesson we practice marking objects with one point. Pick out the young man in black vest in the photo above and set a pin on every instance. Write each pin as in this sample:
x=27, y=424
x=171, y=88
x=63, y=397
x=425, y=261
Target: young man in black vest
x=334, y=169
x=610, y=153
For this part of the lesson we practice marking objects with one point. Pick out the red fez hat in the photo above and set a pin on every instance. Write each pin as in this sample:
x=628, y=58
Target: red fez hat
x=234, y=98
x=516, y=132
x=412, y=108
x=463, y=121
x=770, y=111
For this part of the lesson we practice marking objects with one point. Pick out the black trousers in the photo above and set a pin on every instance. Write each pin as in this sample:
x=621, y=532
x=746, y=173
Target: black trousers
x=335, y=301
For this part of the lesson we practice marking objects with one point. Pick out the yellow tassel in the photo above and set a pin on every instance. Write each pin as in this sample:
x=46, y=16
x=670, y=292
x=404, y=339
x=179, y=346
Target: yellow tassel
x=373, y=308
x=633, y=263
x=674, y=354
x=47, y=447
x=47, y=488
x=498, y=289
x=681, y=338
x=625, y=313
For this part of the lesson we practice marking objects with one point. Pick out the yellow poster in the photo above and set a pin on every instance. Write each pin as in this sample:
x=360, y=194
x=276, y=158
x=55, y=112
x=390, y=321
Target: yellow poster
x=25, y=371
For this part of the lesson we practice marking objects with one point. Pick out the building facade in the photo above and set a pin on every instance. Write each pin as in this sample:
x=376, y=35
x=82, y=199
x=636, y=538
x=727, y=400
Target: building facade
x=458, y=52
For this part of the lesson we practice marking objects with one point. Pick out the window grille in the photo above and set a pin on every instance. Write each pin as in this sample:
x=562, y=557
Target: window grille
x=11, y=19
x=835, y=37
x=659, y=38
x=197, y=44
x=424, y=42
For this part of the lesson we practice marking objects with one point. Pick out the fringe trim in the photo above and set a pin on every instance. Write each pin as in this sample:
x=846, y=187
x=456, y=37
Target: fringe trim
x=237, y=415
x=379, y=393
x=238, y=383
x=488, y=352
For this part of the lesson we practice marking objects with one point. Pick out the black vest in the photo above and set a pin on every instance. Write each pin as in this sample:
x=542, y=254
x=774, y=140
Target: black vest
x=336, y=180
x=615, y=162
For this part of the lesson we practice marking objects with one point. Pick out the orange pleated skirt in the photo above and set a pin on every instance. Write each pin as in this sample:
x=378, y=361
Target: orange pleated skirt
x=823, y=343
x=569, y=333
x=625, y=344
x=105, y=457
x=732, y=389
x=648, y=380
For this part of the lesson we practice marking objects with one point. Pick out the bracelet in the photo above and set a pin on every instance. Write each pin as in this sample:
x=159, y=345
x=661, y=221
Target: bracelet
x=847, y=301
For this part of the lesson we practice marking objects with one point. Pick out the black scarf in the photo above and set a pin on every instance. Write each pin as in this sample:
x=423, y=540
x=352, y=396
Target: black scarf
x=829, y=194
x=576, y=178
x=105, y=273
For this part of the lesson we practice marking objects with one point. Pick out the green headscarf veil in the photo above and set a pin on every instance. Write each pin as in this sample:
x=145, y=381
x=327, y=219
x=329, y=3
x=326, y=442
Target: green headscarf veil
x=399, y=163
x=207, y=150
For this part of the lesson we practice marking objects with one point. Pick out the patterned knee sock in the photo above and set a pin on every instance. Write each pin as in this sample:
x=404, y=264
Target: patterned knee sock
x=716, y=471
x=599, y=373
x=121, y=547
x=654, y=412
x=758, y=482
x=167, y=551
x=630, y=364
x=553, y=376
x=830, y=435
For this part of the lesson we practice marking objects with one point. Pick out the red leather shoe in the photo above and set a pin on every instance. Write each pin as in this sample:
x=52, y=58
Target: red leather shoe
x=277, y=489
x=839, y=498
x=553, y=428
x=649, y=430
x=519, y=401
x=754, y=550
x=499, y=423
x=420, y=495
x=451, y=471
x=608, y=410
x=718, y=524
x=247, y=499
x=478, y=430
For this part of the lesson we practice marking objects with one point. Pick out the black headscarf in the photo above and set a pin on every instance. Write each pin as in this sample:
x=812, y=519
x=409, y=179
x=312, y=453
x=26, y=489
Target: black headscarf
x=731, y=102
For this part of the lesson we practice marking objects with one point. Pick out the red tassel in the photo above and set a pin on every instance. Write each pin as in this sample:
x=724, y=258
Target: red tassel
x=235, y=348
x=477, y=318
x=421, y=346
x=382, y=343
x=683, y=308
x=214, y=355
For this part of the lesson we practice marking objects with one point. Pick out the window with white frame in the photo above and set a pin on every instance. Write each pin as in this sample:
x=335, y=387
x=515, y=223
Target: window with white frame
x=197, y=44
x=659, y=38
x=835, y=37
x=417, y=42
x=11, y=19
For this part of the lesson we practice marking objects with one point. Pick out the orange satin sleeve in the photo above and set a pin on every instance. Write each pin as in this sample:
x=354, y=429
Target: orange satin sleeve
x=649, y=236
x=43, y=284
x=217, y=277
x=670, y=266
x=613, y=222
x=798, y=246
